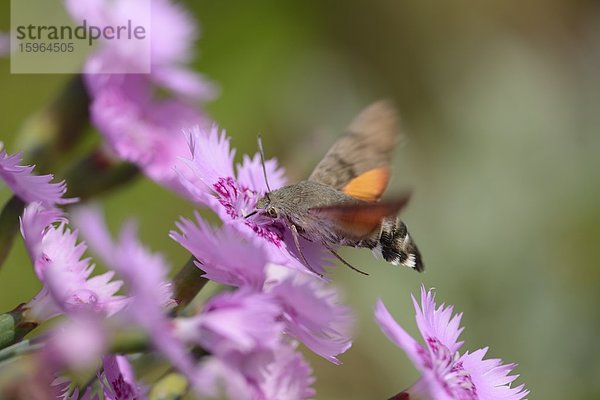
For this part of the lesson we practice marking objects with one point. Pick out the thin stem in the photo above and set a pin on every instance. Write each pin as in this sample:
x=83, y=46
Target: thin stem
x=52, y=132
x=97, y=173
x=129, y=343
x=19, y=349
x=187, y=284
x=171, y=385
x=95, y=377
x=9, y=225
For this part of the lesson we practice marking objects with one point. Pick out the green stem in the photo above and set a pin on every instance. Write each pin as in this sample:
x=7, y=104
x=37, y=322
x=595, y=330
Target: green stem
x=52, y=132
x=19, y=349
x=170, y=386
x=187, y=284
x=130, y=342
x=9, y=225
x=98, y=173
x=124, y=343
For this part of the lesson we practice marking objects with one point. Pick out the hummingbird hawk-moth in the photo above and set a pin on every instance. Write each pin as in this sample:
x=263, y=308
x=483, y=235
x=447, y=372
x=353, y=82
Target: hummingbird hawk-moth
x=339, y=204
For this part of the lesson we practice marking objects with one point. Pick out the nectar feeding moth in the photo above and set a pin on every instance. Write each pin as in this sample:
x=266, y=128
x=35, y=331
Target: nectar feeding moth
x=339, y=204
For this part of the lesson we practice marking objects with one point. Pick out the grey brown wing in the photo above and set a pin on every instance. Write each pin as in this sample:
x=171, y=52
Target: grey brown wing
x=358, y=220
x=367, y=146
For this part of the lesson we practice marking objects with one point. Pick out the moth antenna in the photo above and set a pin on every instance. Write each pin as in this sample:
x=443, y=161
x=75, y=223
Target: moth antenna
x=344, y=261
x=264, y=168
x=295, y=235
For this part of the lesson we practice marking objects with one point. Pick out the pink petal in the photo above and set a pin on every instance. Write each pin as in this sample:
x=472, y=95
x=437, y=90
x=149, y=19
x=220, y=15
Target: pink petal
x=397, y=335
x=437, y=322
x=327, y=331
x=28, y=187
x=224, y=255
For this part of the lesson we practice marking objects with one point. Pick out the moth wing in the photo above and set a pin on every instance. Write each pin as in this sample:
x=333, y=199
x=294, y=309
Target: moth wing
x=368, y=186
x=358, y=220
x=359, y=162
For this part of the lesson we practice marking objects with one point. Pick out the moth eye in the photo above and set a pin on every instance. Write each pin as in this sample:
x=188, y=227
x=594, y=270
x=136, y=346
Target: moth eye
x=272, y=212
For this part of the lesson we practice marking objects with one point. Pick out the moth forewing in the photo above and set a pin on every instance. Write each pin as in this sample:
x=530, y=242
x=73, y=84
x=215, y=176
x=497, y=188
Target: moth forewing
x=368, y=143
x=356, y=221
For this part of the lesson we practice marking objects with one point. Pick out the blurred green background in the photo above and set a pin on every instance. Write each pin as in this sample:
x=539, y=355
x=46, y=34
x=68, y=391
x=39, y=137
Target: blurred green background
x=501, y=100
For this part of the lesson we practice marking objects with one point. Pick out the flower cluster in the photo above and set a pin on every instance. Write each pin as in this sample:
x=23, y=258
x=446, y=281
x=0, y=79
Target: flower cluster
x=243, y=342
x=278, y=293
x=242, y=331
x=249, y=337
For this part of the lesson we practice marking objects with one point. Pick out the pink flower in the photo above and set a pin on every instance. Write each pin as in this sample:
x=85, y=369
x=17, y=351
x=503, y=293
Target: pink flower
x=118, y=380
x=285, y=376
x=139, y=125
x=28, y=187
x=145, y=131
x=145, y=272
x=35, y=223
x=312, y=314
x=125, y=254
x=145, y=275
x=76, y=343
x=289, y=376
x=56, y=256
x=171, y=35
x=447, y=375
x=241, y=333
x=215, y=183
x=229, y=259
x=225, y=256
x=241, y=322
x=63, y=391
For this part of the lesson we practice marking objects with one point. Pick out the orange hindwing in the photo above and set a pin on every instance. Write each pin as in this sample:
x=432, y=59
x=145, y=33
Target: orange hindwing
x=370, y=185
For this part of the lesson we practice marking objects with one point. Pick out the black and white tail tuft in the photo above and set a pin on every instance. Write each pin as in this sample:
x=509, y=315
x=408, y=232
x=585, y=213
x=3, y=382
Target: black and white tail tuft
x=396, y=246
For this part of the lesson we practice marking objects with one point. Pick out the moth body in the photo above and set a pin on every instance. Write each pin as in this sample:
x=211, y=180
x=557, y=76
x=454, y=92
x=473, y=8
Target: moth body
x=292, y=205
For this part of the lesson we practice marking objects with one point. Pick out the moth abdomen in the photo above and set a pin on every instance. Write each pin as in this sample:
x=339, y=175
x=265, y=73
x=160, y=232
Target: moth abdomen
x=395, y=245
